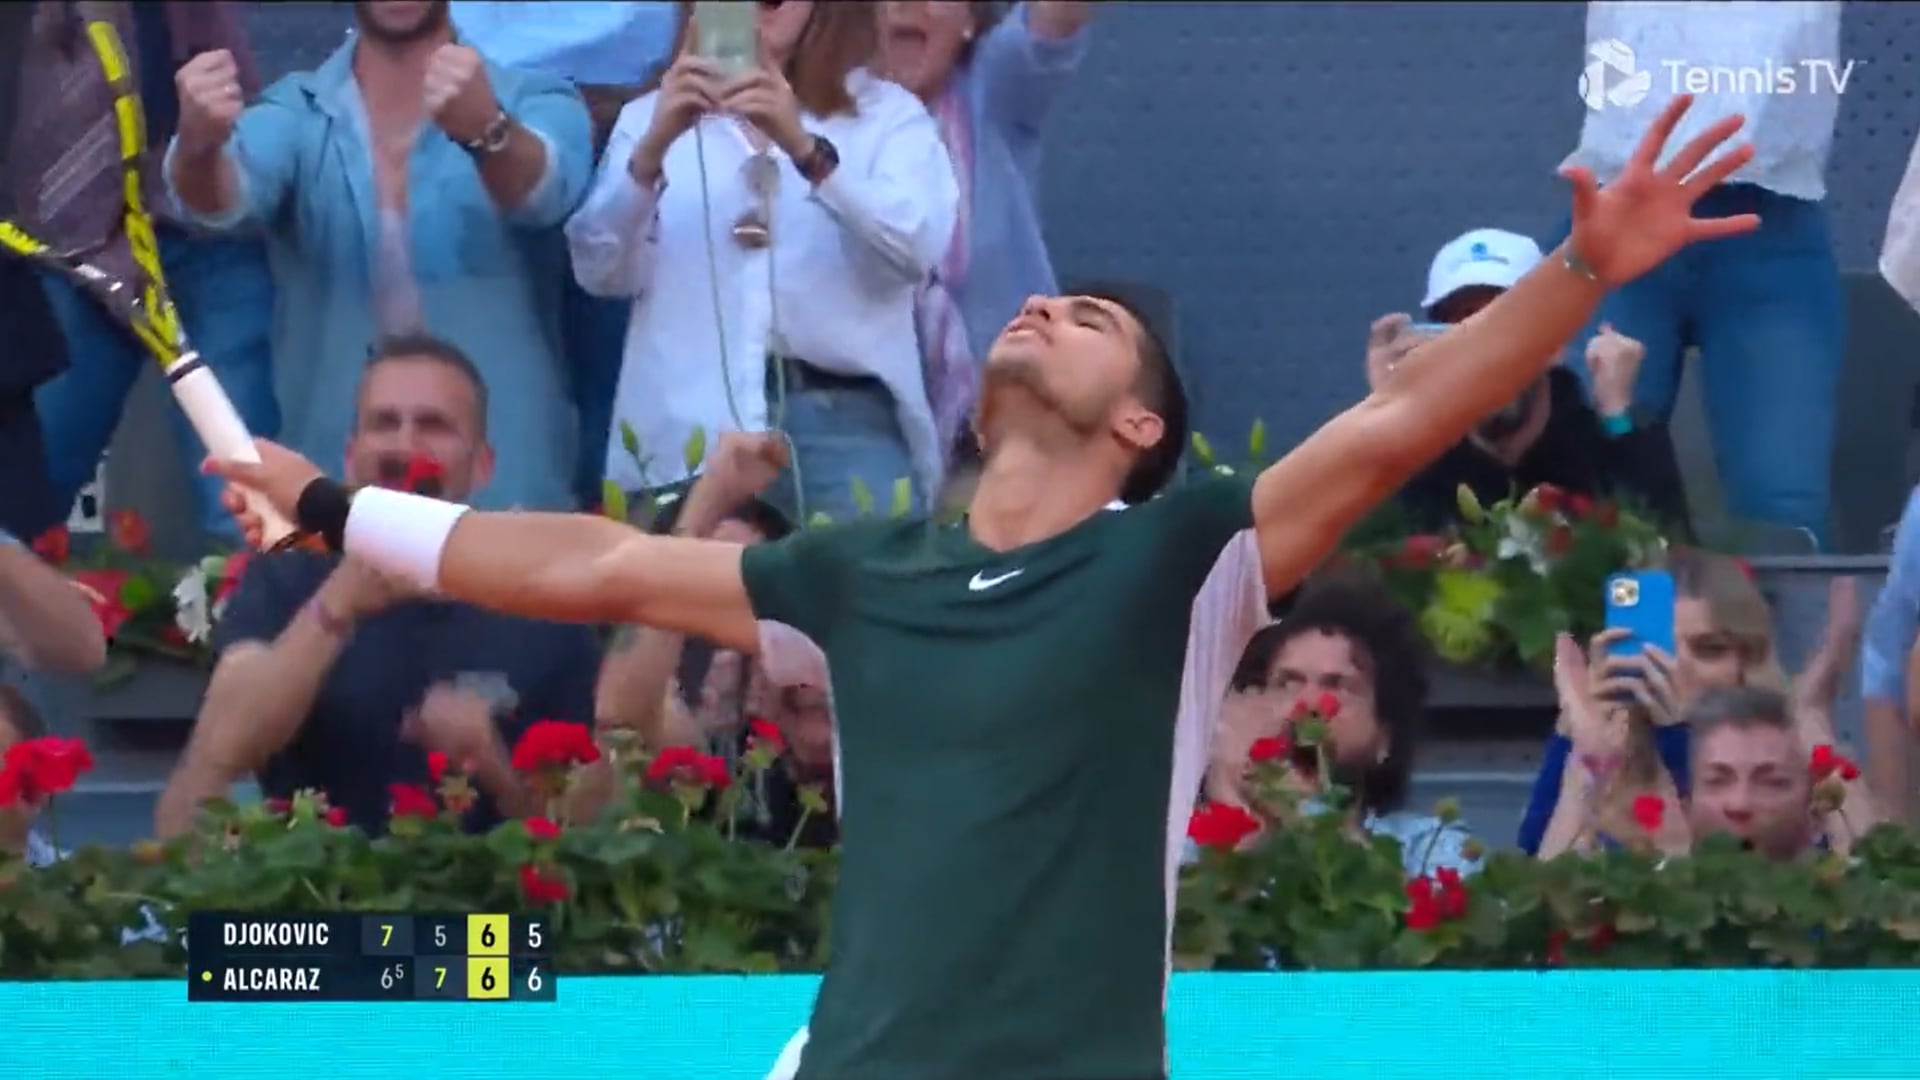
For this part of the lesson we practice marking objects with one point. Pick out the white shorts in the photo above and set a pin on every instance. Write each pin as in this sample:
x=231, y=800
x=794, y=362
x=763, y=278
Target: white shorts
x=788, y=1063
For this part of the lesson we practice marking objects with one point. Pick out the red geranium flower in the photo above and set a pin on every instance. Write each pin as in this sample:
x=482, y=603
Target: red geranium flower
x=436, y=766
x=129, y=532
x=1271, y=748
x=1649, y=811
x=542, y=829
x=55, y=545
x=1556, y=947
x=1827, y=761
x=424, y=475
x=1221, y=826
x=337, y=816
x=685, y=765
x=1423, y=905
x=1421, y=552
x=1327, y=705
x=764, y=732
x=38, y=769
x=278, y=806
x=112, y=612
x=1578, y=506
x=1559, y=541
x=1453, y=894
x=542, y=888
x=412, y=800
x=554, y=744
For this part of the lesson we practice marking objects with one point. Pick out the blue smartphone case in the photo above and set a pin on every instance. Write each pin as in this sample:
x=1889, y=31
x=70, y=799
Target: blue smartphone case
x=1641, y=603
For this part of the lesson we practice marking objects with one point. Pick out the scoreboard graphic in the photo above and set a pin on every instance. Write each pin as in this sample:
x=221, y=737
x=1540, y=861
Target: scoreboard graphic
x=307, y=957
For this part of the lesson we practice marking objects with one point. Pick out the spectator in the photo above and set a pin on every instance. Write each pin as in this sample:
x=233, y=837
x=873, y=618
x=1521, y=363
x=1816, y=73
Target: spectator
x=990, y=83
x=46, y=624
x=1757, y=780
x=333, y=677
x=772, y=257
x=409, y=174
x=67, y=169
x=1892, y=630
x=638, y=688
x=1349, y=639
x=33, y=353
x=1621, y=723
x=1900, y=248
x=1765, y=309
x=1549, y=434
x=612, y=52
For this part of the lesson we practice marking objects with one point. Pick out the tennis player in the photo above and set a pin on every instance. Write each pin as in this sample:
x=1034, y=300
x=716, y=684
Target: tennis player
x=1004, y=686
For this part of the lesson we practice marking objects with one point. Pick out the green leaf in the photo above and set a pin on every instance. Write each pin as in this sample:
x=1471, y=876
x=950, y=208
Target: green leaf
x=139, y=592
x=1257, y=442
x=613, y=500
x=630, y=440
x=1202, y=449
x=818, y=518
x=695, y=451
x=902, y=498
x=862, y=498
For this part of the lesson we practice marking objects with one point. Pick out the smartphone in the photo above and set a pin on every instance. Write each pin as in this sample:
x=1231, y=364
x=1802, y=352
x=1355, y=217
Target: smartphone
x=725, y=34
x=1640, y=602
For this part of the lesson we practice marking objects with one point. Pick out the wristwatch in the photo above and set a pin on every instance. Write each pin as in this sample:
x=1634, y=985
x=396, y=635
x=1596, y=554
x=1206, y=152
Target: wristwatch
x=820, y=161
x=493, y=139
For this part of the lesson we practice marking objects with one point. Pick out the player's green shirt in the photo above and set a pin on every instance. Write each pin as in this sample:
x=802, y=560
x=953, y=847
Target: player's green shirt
x=1010, y=786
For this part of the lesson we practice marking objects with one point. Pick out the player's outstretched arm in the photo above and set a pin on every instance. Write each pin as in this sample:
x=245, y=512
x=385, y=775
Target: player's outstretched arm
x=1304, y=504
x=562, y=567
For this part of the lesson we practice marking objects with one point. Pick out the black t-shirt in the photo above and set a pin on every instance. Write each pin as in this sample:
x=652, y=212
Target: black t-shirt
x=350, y=746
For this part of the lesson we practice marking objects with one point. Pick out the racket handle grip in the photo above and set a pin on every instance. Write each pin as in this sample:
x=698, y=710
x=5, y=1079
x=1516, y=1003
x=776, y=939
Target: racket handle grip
x=219, y=426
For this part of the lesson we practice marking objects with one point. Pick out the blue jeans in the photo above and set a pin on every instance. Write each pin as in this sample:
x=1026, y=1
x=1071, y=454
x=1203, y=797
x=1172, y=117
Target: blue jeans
x=595, y=334
x=839, y=435
x=1768, y=314
x=225, y=295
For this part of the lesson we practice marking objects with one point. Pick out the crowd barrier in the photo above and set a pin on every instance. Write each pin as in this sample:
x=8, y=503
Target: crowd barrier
x=1604, y=1025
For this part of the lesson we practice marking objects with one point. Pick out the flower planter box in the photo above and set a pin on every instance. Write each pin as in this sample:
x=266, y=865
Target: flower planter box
x=155, y=691
x=1479, y=688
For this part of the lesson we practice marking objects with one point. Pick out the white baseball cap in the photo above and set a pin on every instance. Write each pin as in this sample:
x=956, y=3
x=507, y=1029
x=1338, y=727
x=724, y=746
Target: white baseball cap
x=1490, y=257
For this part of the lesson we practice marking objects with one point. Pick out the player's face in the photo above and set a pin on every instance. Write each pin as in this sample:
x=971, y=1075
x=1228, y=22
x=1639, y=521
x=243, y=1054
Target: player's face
x=1079, y=357
x=413, y=409
x=400, y=21
x=1753, y=783
x=1315, y=663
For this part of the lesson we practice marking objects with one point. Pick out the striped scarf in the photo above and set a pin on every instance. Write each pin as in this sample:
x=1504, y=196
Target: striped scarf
x=946, y=354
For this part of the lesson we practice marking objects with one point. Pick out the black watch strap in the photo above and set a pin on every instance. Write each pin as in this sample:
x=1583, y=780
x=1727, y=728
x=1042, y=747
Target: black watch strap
x=494, y=139
x=820, y=161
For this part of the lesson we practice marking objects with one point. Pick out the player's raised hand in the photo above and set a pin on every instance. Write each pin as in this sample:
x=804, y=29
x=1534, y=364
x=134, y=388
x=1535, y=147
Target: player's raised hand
x=1646, y=214
x=210, y=101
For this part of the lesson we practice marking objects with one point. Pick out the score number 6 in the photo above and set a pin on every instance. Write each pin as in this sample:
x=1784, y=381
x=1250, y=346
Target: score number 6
x=534, y=982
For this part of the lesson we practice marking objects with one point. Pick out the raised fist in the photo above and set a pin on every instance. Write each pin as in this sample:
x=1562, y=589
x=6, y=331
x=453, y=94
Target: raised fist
x=458, y=95
x=210, y=101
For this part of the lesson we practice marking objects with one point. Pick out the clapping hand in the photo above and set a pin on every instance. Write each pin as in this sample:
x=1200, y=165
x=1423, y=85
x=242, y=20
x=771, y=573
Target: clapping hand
x=1645, y=214
x=458, y=95
x=1613, y=362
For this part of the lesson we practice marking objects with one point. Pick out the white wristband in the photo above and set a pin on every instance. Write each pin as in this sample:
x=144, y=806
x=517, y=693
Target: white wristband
x=400, y=533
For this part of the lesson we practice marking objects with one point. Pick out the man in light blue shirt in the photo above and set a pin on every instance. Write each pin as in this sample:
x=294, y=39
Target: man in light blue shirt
x=1887, y=643
x=385, y=215
x=612, y=52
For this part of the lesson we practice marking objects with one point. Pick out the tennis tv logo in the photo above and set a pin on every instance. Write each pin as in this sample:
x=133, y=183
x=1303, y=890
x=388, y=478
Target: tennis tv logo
x=1612, y=77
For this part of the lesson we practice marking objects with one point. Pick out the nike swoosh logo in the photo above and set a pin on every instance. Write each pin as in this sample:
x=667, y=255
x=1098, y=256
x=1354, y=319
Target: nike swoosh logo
x=981, y=582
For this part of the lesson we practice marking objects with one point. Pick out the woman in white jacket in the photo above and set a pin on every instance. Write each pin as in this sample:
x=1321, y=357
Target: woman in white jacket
x=771, y=228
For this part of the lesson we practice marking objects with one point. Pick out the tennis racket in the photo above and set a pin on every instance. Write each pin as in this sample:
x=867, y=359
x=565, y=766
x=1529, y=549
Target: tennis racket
x=141, y=302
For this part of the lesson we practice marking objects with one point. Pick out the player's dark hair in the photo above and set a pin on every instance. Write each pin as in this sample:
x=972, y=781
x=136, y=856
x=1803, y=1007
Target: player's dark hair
x=1741, y=707
x=1390, y=649
x=1158, y=388
x=419, y=345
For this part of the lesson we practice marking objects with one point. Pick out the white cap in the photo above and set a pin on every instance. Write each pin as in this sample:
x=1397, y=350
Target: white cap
x=1492, y=257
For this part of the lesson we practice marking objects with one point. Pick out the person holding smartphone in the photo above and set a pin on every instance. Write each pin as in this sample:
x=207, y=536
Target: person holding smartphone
x=1549, y=434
